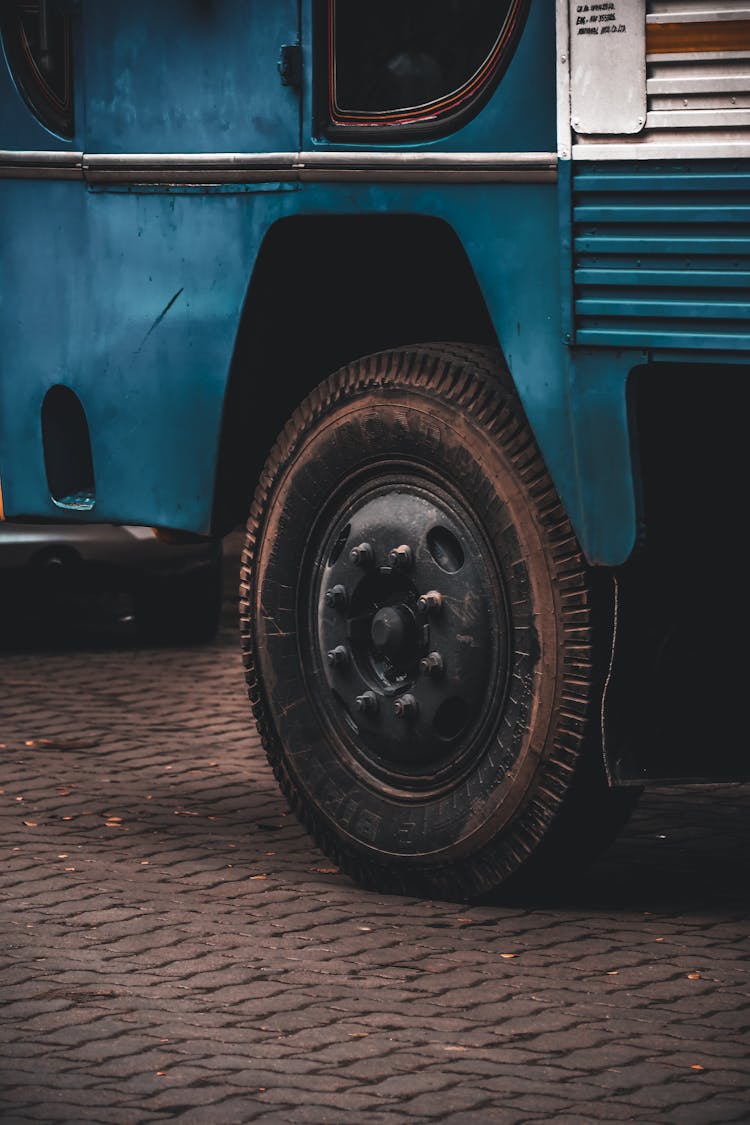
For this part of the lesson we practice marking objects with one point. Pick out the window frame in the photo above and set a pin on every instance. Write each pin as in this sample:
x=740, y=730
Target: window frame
x=55, y=115
x=433, y=119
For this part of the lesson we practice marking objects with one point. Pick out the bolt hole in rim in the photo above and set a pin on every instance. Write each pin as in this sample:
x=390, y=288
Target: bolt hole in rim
x=426, y=632
x=338, y=546
x=446, y=549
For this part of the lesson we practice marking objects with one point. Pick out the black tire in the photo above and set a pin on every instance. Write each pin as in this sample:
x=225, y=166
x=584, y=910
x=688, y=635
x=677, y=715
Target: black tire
x=492, y=768
x=180, y=608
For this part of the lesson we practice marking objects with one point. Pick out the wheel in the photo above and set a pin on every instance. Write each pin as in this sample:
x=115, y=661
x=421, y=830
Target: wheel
x=180, y=608
x=418, y=631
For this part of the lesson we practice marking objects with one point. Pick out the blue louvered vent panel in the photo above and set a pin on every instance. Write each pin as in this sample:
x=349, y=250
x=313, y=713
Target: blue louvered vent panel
x=661, y=255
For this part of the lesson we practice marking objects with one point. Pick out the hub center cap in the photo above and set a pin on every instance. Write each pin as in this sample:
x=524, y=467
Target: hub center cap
x=392, y=629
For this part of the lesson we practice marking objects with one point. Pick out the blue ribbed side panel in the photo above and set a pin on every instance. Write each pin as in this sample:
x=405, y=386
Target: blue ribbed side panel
x=661, y=254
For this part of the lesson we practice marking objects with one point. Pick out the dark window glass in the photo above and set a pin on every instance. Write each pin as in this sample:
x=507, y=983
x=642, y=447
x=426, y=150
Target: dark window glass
x=37, y=41
x=403, y=61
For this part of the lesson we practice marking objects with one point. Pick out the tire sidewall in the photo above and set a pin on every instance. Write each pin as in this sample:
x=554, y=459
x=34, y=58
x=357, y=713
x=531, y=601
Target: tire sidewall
x=490, y=798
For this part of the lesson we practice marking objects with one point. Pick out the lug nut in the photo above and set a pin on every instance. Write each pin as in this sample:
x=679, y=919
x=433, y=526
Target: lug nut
x=432, y=664
x=363, y=555
x=430, y=602
x=339, y=657
x=368, y=703
x=336, y=597
x=406, y=707
x=401, y=558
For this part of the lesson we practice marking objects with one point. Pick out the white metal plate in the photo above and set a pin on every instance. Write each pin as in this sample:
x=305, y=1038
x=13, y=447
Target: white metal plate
x=608, y=67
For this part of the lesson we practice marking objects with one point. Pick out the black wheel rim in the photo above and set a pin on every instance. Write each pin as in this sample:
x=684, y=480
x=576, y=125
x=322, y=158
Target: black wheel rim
x=407, y=644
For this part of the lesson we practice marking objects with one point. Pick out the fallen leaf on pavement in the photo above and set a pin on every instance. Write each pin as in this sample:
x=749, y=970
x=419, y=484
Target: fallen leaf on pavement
x=62, y=743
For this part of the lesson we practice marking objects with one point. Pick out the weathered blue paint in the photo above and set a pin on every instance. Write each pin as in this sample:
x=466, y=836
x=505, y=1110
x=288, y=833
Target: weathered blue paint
x=188, y=76
x=132, y=296
x=165, y=386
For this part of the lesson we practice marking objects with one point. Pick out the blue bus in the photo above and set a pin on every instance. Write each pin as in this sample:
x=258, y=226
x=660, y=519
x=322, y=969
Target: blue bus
x=484, y=268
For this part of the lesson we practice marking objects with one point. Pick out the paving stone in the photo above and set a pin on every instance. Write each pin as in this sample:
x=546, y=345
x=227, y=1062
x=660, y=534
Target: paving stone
x=202, y=948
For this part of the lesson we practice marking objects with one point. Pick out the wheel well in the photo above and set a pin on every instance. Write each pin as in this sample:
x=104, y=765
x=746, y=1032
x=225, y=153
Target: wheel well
x=677, y=685
x=324, y=291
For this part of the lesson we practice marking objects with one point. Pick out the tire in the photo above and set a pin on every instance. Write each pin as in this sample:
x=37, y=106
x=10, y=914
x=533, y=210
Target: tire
x=438, y=745
x=180, y=608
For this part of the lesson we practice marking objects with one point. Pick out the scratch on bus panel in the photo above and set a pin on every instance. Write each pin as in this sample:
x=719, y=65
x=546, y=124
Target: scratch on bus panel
x=160, y=317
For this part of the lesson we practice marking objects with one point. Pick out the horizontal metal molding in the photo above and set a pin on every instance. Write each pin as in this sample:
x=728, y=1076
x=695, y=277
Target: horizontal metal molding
x=655, y=147
x=663, y=210
x=661, y=255
x=281, y=167
x=662, y=336
x=639, y=277
x=679, y=12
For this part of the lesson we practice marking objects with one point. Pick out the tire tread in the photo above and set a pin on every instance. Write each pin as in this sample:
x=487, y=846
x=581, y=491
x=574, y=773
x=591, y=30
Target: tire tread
x=476, y=380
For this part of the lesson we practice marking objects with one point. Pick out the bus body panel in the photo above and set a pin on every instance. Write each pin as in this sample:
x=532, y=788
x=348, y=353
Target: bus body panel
x=163, y=339
x=141, y=285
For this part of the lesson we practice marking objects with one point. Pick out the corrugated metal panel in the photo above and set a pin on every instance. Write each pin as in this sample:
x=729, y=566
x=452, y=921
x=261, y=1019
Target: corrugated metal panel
x=704, y=87
x=661, y=255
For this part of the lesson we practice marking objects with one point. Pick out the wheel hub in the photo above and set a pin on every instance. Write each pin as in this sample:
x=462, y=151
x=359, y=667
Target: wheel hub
x=394, y=633
x=410, y=628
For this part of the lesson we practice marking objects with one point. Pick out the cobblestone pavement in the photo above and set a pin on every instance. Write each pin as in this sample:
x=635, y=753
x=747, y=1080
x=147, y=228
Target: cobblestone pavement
x=174, y=948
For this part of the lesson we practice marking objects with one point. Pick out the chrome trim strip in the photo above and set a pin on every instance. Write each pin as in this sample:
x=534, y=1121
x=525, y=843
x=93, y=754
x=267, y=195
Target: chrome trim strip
x=191, y=168
x=706, y=16
x=662, y=150
x=275, y=167
x=562, y=40
x=31, y=165
x=429, y=159
x=36, y=156
x=686, y=118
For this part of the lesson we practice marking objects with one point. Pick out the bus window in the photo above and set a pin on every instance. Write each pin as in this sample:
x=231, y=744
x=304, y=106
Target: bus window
x=425, y=62
x=37, y=41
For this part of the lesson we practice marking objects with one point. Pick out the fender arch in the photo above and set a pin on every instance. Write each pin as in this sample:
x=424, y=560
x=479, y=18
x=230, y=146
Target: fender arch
x=325, y=290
